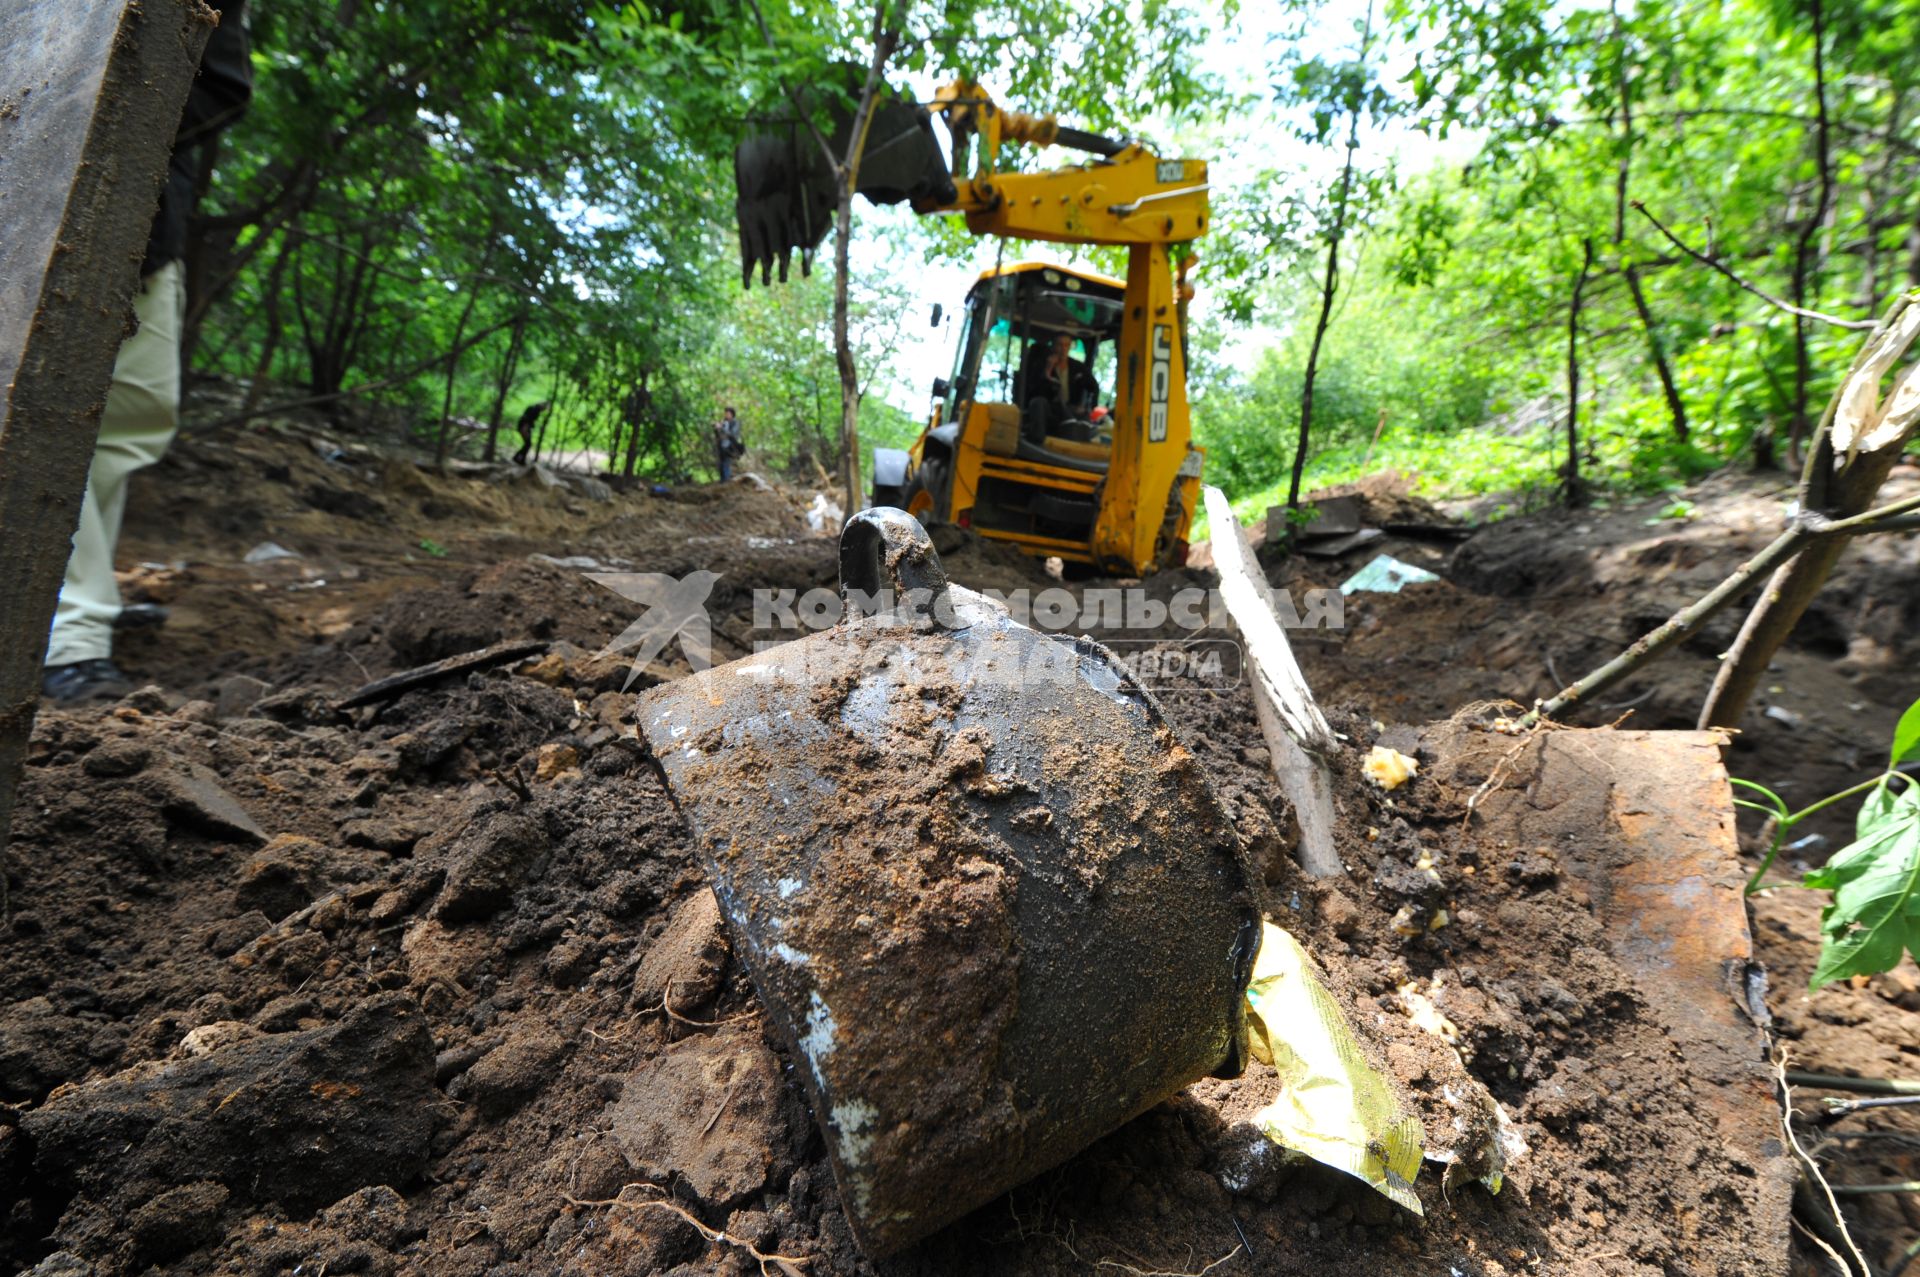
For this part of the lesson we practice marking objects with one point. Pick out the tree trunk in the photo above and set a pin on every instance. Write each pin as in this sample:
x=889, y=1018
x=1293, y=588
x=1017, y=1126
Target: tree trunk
x=270, y=341
x=1575, y=492
x=1805, y=270
x=453, y=367
x=1330, y=281
x=1841, y=479
x=884, y=41
x=843, y=355
x=505, y=382
x=645, y=413
x=1656, y=349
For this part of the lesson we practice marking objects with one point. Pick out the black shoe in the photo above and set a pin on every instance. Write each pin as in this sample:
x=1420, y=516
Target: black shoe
x=84, y=683
x=140, y=616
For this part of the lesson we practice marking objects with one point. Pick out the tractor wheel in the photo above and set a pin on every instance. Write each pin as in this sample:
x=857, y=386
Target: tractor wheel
x=927, y=493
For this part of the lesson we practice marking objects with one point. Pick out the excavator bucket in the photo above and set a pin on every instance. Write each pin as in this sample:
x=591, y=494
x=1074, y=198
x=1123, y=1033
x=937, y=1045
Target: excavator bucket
x=785, y=191
x=990, y=903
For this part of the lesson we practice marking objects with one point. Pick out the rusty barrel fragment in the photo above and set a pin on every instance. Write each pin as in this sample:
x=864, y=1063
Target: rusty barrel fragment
x=990, y=903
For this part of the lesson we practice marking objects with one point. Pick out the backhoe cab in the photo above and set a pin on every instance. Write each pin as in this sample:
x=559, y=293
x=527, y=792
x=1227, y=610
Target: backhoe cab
x=1063, y=428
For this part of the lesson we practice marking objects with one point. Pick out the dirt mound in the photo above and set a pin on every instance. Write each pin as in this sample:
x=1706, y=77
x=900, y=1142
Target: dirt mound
x=448, y=1003
x=1387, y=496
x=435, y=986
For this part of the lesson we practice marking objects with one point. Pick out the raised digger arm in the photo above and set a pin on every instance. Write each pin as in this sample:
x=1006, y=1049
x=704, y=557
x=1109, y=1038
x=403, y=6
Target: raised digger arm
x=1131, y=197
x=1126, y=196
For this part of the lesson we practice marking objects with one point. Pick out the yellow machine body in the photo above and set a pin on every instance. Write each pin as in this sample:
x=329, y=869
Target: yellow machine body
x=1122, y=500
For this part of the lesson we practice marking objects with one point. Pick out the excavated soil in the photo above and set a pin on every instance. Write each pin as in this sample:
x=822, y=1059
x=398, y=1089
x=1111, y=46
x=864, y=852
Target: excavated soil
x=436, y=985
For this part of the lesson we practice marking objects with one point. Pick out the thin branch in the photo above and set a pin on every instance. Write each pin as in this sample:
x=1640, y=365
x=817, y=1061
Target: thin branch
x=1806, y=265
x=666, y=1008
x=1861, y=1190
x=313, y=400
x=1167, y=1272
x=806, y=116
x=1860, y=1085
x=1894, y=516
x=1857, y=325
x=1837, y=1109
x=1678, y=626
x=1890, y=140
x=1807, y=527
x=1825, y=1246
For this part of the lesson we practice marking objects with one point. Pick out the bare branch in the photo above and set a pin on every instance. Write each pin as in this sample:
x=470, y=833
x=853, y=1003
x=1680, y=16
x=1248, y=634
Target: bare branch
x=806, y=116
x=1858, y=325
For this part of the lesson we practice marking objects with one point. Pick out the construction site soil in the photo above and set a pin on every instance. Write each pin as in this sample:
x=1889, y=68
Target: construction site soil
x=434, y=984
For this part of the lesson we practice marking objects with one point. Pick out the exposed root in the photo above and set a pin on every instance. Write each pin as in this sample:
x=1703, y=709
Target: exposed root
x=666, y=1008
x=1822, y=1243
x=1061, y=1234
x=1813, y=1171
x=1166, y=1272
x=1495, y=776
x=785, y=1265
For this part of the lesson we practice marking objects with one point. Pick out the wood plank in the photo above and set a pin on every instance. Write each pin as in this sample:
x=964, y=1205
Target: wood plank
x=90, y=98
x=1298, y=737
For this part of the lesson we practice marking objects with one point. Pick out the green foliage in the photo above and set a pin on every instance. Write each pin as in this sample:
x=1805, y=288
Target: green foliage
x=1704, y=112
x=458, y=208
x=1906, y=737
x=1874, y=916
x=1875, y=881
x=466, y=207
x=1375, y=359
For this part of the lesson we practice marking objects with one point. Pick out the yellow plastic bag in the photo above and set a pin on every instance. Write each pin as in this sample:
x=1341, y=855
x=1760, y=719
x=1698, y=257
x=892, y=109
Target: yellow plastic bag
x=1332, y=1105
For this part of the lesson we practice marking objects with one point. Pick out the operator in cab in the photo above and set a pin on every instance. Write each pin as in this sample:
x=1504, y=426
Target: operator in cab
x=1059, y=390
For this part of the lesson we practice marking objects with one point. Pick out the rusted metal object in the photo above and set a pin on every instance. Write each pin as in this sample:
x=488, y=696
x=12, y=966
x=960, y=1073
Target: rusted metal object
x=1640, y=825
x=1672, y=898
x=987, y=898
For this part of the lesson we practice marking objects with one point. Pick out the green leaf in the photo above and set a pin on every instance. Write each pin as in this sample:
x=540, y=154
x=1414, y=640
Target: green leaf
x=1875, y=882
x=1881, y=806
x=1906, y=736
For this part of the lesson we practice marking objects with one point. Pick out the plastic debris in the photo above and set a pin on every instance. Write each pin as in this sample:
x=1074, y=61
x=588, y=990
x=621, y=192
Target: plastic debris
x=1332, y=1106
x=1389, y=768
x=825, y=514
x=1488, y=1140
x=1426, y=1014
x=584, y=562
x=267, y=552
x=1385, y=575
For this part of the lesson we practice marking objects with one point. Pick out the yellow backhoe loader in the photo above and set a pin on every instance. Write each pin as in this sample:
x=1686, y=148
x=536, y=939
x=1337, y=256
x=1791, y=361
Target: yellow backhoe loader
x=1063, y=428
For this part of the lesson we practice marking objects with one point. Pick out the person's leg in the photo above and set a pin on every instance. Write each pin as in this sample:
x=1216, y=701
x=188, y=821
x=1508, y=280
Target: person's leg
x=141, y=414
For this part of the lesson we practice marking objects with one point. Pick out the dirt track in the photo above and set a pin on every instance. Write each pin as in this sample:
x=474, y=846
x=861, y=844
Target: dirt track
x=291, y=990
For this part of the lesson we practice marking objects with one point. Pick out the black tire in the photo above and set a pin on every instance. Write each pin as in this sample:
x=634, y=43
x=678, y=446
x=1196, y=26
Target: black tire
x=927, y=490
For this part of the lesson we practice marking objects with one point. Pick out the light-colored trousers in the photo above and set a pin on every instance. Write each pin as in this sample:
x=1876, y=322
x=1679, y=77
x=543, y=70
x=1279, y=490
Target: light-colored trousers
x=141, y=415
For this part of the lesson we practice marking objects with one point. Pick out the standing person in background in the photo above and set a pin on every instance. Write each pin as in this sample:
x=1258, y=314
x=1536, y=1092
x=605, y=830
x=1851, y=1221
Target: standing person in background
x=142, y=411
x=528, y=420
x=727, y=442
